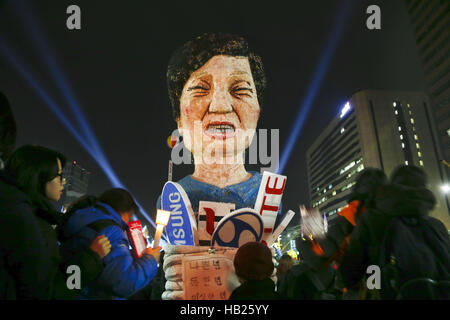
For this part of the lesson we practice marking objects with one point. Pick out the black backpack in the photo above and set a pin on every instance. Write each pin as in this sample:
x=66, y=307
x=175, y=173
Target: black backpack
x=325, y=281
x=414, y=260
x=301, y=282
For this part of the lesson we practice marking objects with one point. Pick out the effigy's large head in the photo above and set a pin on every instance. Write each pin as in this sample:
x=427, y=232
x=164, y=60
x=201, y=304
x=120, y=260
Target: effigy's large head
x=216, y=85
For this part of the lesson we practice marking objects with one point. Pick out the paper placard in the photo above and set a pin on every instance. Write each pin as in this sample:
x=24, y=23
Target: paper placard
x=137, y=238
x=284, y=223
x=209, y=215
x=206, y=277
x=269, y=199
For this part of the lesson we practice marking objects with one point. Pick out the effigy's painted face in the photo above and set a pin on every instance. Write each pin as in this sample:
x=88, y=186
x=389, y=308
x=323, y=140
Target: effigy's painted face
x=219, y=109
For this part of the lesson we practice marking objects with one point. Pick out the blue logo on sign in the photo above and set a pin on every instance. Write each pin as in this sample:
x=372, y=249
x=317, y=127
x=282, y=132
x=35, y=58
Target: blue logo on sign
x=238, y=228
x=179, y=228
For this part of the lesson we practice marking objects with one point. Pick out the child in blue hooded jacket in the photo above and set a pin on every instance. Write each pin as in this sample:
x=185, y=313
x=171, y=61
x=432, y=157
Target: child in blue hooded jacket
x=123, y=274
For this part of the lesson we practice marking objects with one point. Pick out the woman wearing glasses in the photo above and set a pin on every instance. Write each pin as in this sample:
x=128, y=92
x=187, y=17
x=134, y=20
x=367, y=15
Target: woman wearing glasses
x=37, y=171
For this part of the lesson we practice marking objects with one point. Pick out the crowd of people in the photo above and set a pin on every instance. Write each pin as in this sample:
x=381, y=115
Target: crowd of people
x=383, y=245
x=214, y=80
x=385, y=224
x=38, y=243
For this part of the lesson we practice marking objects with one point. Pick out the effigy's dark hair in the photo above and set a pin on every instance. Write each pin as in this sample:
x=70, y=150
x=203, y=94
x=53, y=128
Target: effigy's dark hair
x=195, y=53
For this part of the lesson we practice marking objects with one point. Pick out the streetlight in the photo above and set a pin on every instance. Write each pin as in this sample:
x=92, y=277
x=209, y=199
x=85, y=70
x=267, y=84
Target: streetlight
x=445, y=188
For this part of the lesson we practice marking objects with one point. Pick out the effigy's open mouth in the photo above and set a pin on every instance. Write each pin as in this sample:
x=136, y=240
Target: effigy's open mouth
x=220, y=130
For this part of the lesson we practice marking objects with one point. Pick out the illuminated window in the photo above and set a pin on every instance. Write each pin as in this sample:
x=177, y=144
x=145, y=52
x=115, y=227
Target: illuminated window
x=401, y=137
x=394, y=104
x=421, y=162
x=330, y=186
x=408, y=105
x=334, y=193
x=419, y=154
x=350, y=165
x=416, y=137
x=342, y=130
x=403, y=145
x=417, y=146
x=396, y=112
x=412, y=120
x=406, y=162
x=399, y=128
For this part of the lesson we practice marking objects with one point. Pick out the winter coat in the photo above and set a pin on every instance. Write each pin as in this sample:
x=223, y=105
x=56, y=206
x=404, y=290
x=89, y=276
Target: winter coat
x=156, y=287
x=123, y=275
x=31, y=265
x=255, y=290
x=390, y=202
x=23, y=266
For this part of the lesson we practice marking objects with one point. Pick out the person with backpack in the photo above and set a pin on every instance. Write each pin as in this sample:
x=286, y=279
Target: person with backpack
x=123, y=274
x=330, y=248
x=311, y=279
x=411, y=248
x=315, y=276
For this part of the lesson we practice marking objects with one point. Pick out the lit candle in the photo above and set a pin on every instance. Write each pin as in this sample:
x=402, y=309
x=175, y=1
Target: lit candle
x=162, y=218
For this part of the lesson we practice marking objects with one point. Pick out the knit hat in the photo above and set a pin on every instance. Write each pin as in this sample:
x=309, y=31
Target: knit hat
x=253, y=261
x=410, y=176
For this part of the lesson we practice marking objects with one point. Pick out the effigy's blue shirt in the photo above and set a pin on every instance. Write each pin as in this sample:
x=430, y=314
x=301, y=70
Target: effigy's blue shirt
x=242, y=194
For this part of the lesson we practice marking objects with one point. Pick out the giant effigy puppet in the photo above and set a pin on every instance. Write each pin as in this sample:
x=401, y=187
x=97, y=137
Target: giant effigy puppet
x=216, y=84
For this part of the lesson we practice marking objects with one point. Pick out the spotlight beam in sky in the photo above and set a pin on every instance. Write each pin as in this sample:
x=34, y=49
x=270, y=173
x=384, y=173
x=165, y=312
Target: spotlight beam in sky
x=20, y=68
x=37, y=37
x=33, y=28
x=33, y=83
x=314, y=87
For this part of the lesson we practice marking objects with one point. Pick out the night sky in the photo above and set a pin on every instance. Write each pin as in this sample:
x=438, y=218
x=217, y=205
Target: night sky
x=116, y=66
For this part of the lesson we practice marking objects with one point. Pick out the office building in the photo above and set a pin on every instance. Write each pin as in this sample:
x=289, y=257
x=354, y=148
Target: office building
x=77, y=181
x=430, y=22
x=379, y=129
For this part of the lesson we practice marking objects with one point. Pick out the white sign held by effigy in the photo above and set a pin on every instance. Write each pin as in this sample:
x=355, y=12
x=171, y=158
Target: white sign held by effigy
x=268, y=201
x=283, y=224
x=206, y=277
x=209, y=215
